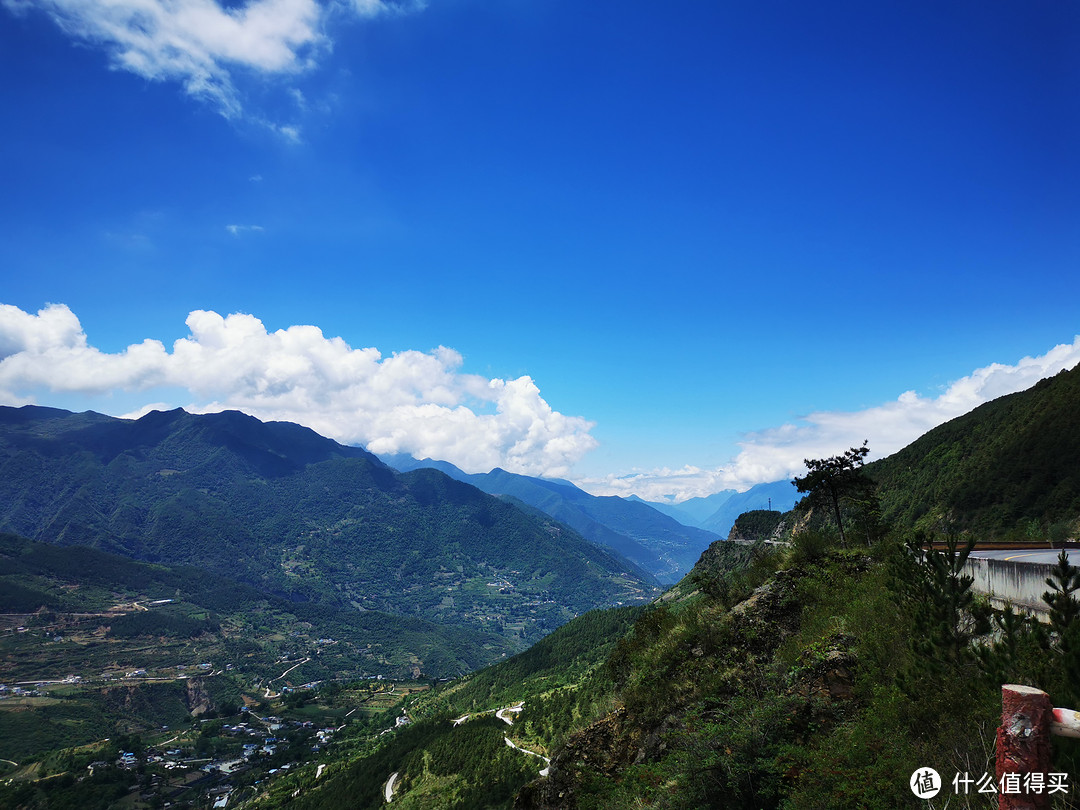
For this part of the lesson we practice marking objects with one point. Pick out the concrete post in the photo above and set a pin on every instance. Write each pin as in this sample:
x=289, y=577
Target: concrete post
x=1023, y=745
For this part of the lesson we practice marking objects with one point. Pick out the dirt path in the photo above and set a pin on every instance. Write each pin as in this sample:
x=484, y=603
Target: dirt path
x=290, y=669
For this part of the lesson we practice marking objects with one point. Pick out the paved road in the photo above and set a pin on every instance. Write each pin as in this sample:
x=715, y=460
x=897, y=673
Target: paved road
x=388, y=790
x=1041, y=555
x=546, y=770
x=502, y=713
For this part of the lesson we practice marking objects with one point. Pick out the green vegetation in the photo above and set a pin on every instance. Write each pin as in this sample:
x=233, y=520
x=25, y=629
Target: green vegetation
x=756, y=526
x=300, y=517
x=1010, y=469
x=823, y=688
x=817, y=673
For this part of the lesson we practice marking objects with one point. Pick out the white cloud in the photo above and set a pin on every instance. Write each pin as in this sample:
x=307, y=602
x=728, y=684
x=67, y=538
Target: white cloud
x=236, y=230
x=415, y=402
x=202, y=44
x=778, y=453
x=662, y=485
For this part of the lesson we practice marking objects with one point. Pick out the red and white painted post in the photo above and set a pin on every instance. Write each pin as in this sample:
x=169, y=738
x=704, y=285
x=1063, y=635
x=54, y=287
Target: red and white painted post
x=1023, y=746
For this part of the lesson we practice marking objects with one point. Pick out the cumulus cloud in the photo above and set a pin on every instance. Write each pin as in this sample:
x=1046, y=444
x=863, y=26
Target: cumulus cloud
x=415, y=402
x=778, y=453
x=203, y=44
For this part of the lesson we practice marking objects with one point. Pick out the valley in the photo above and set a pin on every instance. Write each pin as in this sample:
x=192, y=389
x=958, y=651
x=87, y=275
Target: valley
x=417, y=642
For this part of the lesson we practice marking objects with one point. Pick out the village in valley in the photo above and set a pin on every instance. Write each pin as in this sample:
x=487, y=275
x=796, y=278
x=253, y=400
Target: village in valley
x=199, y=734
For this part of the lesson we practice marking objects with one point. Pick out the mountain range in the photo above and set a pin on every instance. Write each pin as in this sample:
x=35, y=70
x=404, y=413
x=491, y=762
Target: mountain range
x=804, y=676
x=800, y=675
x=299, y=516
x=716, y=513
x=659, y=543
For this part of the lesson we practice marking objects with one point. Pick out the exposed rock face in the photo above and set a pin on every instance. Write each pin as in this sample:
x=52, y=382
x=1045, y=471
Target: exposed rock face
x=828, y=674
x=197, y=699
x=603, y=746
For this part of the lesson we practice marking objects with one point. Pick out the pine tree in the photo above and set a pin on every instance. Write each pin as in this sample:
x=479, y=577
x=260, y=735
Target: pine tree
x=832, y=481
x=945, y=614
x=1064, y=582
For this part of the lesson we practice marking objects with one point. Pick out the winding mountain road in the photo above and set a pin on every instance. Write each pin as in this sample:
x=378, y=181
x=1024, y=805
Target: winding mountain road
x=516, y=747
x=388, y=789
x=504, y=715
x=290, y=669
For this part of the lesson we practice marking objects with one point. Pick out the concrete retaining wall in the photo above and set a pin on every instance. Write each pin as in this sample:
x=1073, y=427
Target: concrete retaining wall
x=1021, y=584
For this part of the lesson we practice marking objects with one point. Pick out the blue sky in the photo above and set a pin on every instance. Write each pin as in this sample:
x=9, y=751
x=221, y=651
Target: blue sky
x=716, y=238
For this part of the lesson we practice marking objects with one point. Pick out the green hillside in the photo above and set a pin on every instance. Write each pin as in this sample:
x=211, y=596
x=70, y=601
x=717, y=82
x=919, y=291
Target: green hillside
x=1010, y=468
x=559, y=684
x=297, y=515
x=795, y=676
x=655, y=541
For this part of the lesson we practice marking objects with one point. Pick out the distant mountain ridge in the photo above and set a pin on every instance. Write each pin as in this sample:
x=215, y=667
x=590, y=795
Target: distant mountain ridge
x=657, y=542
x=693, y=511
x=717, y=512
x=298, y=515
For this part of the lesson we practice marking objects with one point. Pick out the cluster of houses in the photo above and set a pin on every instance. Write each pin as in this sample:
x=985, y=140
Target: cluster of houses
x=17, y=691
x=181, y=672
x=269, y=744
x=265, y=745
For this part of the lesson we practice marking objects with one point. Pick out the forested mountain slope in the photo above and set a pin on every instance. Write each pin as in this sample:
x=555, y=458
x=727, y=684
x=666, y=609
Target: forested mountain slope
x=295, y=514
x=655, y=541
x=1010, y=468
x=559, y=683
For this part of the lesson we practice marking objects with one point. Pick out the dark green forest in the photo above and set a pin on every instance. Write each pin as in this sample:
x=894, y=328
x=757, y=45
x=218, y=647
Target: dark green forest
x=1010, y=469
x=279, y=508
